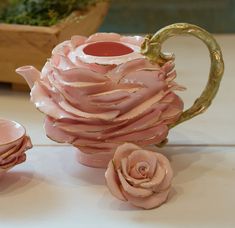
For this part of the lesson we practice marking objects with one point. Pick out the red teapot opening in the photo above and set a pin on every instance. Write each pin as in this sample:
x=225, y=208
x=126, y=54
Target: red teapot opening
x=107, y=49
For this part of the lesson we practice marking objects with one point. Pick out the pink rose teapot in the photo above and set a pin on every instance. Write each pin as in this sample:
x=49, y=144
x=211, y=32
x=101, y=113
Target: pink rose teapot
x=102, y=91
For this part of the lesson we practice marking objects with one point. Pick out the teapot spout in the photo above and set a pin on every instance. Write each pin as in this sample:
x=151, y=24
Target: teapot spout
x=29, y=73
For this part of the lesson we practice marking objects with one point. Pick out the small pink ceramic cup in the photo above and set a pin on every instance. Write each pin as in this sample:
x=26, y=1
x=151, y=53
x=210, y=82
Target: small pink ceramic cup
x=13, y=144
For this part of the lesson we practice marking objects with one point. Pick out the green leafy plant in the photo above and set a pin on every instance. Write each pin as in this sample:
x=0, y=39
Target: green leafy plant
x=40, y=12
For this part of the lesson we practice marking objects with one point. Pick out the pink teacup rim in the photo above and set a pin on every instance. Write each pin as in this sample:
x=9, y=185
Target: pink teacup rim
x=10, y=132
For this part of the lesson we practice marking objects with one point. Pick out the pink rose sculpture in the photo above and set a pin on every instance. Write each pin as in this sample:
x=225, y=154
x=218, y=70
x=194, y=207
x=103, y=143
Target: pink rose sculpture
x=139, y=176
x=99, y=92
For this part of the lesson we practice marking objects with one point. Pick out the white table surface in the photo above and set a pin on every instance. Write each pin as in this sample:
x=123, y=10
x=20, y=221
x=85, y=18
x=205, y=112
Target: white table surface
x=52, y=190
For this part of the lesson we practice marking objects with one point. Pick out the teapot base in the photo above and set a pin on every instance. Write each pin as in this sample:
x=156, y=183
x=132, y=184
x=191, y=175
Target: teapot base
x=96, y=160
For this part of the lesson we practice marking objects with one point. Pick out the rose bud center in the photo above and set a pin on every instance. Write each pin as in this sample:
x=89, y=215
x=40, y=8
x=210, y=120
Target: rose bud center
x=142, y=168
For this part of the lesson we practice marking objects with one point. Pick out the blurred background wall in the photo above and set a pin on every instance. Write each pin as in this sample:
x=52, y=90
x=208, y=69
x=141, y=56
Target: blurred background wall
x=143, y=16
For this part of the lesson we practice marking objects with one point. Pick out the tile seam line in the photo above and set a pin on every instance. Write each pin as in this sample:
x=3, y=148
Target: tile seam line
x=169, y=145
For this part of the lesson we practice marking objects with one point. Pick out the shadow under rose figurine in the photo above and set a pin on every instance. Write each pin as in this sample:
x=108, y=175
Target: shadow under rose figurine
x=107, y=89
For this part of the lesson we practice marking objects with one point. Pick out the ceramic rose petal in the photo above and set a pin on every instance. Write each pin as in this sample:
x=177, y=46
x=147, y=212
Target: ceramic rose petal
x=13, y=144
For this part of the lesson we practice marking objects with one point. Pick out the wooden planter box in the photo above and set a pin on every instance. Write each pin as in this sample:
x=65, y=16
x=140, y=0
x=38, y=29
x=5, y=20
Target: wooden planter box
x=32, y=45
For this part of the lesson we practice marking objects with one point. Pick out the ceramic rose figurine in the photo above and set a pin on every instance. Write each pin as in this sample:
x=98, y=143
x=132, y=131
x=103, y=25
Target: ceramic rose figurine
x=101, y=91
x=140, y=176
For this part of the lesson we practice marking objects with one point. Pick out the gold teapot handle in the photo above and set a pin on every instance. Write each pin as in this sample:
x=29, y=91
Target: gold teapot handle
x=151, y=48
